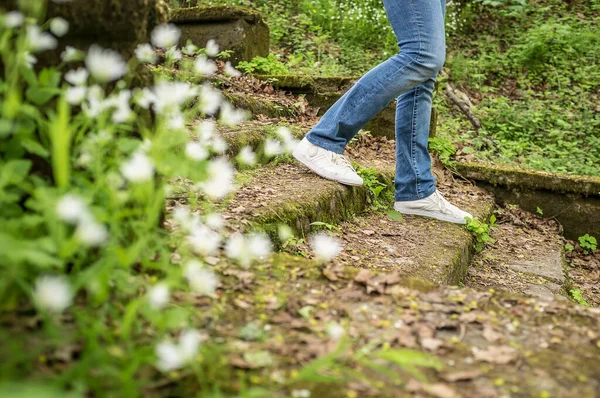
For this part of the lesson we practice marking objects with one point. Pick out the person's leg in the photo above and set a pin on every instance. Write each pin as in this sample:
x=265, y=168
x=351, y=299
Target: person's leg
x=414, y=179
x=419, y=27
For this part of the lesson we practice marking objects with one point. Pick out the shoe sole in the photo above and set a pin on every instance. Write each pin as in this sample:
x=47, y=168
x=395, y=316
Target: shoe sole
x=306, y=162
x=436, y=216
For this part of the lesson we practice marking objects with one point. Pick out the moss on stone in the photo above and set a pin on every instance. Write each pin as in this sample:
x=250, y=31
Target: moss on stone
x=214, y=14
x=313, y=84
x=259, y=106
x=514, y=176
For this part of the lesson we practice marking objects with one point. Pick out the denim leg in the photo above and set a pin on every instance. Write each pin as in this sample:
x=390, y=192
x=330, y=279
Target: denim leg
x=414, y=179
x=419, y=28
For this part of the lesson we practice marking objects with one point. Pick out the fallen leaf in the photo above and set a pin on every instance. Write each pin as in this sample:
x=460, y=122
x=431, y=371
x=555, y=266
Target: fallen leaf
x=431, y=344
x=501, y=355
x=440, y=391
x=490, y=334
x=363, y=276
x=462, y=375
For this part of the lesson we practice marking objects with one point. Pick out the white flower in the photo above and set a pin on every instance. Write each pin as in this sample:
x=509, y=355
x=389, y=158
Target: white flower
x=173, y=356
x=145, y=53
x=325, y=247
x=38, y=40
x=204, y=241
x=30, y=60
x=260, y=246
x=105, y=65
x=71, y=208
x=272, y=148
x=13, y=19
x=77, y=77
x=169, y=96
x=231, y=71
x=158, y=296
x=237, y=249
x=289, y=141
x=145, y=98
x=220, y=180
x=173, y=54
x=71, y=54
x=190, y=49
x=123, y=111
x=59, y=26
x=139, y=168
x=212, y=48
x=176, y=121
x=90, y=232
x=202, y=280
x=218, y=144
x=335, y=331
x=169, y=356
x=230, y=116
x=52, y=293
x=189, y=343
x=95, y=104
x=210, y=99
x=247, y=156
x=196, y=151
x=165, y=36
x=301, y=393
x=206, y=130
x=204, y=66
x=214, y=221
x=75, y=95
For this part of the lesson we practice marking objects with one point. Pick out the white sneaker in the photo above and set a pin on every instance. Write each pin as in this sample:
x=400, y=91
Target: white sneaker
x=326, y=163
x=434, y=206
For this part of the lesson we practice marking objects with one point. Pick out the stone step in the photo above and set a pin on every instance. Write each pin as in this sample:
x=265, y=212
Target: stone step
x=236, y=29
x=572, y=200
x=484, y=344
x=290, y=194
x=525, y=258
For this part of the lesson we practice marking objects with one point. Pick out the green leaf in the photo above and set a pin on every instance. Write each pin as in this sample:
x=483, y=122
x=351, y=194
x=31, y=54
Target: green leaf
x=410, y=358
x=14, y=172
x=394, y=215
x=41, y=95
x=35, y=148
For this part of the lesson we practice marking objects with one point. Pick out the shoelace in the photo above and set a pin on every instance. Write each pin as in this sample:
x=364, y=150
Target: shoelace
x=440, y=202
x=341, y=160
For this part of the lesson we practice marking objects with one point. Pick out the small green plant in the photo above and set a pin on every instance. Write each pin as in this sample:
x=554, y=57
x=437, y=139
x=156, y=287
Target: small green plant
x=539, y=211
x=577, y=295
x=444, y=148
x=588, y=242
x=329, y=227
x=569, y=247
x=481, y=232
x=269, y=65
x=377, y=189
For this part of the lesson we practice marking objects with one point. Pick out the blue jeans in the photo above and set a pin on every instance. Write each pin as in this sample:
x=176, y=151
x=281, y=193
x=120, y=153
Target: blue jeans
x=409, y=76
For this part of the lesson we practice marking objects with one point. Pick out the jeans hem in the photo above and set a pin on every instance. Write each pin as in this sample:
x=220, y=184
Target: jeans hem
x=409, y=198
x=325, y=144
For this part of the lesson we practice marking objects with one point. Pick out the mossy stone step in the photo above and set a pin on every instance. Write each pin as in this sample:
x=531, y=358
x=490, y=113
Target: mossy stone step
x=522, y=260
x=486, y=344
x=573, y=200
x=236, y=29
x=290, y=194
